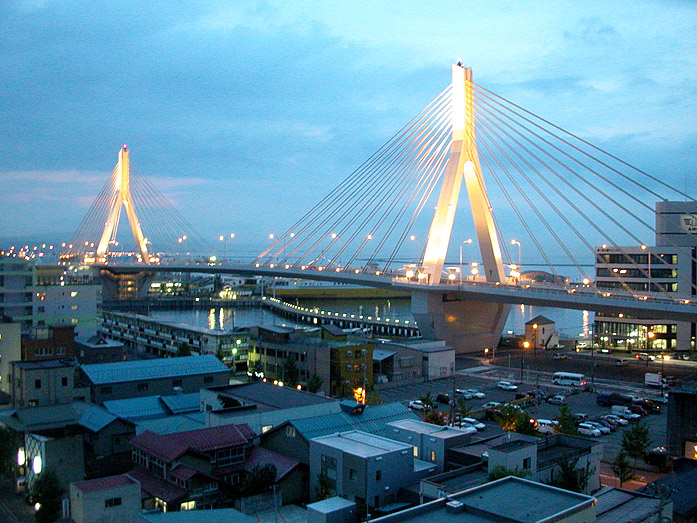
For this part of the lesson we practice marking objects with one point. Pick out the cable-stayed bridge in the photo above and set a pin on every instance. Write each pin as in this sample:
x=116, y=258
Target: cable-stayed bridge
x=561, y=196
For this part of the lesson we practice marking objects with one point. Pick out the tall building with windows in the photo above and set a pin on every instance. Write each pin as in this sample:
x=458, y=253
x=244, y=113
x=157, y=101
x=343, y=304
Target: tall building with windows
x=668, y=268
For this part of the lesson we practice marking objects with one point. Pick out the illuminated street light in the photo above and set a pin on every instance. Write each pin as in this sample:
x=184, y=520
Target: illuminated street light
x=469, y=240
x=520, y=249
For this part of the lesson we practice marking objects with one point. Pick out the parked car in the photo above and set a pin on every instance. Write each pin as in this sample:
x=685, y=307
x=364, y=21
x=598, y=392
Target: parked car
x=624, y=412
x=580, y=416
x=588, y=430
x=466, y=394
x=469, y=429
x=476, y=393
x=616, y=419
x=443, y=398
x=491, y=405
x=506, y=385
x=658, y=457
x=557, y=400
x=473, y=422
x=638, y=409
x=606, y=423
x=525, y=398
x=643, y=356
x=417, y=405
x=546, y=426
x=649, y=406
x=621, y=362
x=602, y=428
x=560, y=356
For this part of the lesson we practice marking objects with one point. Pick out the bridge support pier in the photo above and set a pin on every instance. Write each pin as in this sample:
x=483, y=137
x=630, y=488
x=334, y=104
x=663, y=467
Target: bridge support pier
x=467, y=326
x=125, y=286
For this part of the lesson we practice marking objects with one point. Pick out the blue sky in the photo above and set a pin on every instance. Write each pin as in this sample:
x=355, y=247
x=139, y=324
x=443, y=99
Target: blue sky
x=246, y=113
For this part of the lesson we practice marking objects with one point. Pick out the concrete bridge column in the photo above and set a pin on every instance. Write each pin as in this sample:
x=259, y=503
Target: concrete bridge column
x=467, y=326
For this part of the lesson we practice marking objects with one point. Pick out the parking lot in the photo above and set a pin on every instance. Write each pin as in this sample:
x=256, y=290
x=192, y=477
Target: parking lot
x=485, y=379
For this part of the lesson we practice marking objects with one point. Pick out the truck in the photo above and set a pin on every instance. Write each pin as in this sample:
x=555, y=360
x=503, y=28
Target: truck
x=653, y=379
x=623, y=412
x=608, y=400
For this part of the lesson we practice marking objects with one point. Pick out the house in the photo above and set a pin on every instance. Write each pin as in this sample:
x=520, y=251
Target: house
x=293, y=437
x=113, y=498
x=364, y=468
x=98, y=349
x=430, y=442
x=45, y=382
x=130, y=379
x=540, y=333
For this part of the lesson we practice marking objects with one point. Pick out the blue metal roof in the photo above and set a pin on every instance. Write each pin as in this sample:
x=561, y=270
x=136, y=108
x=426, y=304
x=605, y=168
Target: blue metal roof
x=141, y=370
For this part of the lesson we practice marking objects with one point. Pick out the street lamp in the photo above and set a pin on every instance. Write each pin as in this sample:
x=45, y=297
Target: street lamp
x=223, y=238
x=469, y=240
x=418, y=244
x=516, y=242
x=526, y=345
x=646, y=248
x=534, y=356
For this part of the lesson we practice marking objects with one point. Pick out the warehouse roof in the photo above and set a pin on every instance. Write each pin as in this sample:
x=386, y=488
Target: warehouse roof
x=140, y=370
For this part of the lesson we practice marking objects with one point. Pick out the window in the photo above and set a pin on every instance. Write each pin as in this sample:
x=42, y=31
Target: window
x=64, y=381
x=188, y=505
x=416, y=452
x=37, y=384
x=378, y=475
x=527, y=463
x=208, y=379
x=433, y=455
x=112, y=502
x=290, y=431
x=72, y=295
x=73, y=307
x=353, y=474
x=143, y=386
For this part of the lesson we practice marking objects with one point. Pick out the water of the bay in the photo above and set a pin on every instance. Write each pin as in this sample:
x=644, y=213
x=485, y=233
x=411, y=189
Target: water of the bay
x=569, y=323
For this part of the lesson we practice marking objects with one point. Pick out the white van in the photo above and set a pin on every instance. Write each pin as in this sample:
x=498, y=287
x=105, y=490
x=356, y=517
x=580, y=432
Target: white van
x=623, y=412
x=588, y=430
x=546, y=426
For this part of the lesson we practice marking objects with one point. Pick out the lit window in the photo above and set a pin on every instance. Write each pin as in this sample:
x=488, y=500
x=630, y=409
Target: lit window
x=73, y=294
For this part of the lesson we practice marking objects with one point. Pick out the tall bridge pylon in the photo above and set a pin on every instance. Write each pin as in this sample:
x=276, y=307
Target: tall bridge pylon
x=122, y=196
x=156, y=227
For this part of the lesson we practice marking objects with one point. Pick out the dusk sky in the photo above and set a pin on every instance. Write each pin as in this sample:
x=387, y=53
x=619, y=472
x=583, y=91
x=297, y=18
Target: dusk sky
x=246, y=113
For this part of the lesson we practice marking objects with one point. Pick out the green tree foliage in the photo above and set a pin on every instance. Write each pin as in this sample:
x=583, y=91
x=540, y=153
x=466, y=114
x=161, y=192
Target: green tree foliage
x=373, y=398
x=508, y=417
x=314, y=383
x=569, y=477
x=502, y=472
x=290, y=372
x=635, y=441
x=259, y=479
x=48, y=492
x=427, y=400
x=183, y=349
x=567, y=422
x=622, y=468
x=434, y=417
x=524, y=425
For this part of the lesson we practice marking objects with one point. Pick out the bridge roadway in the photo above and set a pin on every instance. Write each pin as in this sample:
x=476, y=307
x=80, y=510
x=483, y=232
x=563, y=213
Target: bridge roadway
x=540, y=295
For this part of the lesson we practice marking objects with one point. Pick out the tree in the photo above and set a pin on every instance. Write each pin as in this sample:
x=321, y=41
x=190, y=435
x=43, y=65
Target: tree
x=183, y=349
x=434, y=417
x=502, y=472
x=314, y=383
x=621, y=467
x=524, y=425
x=290, y=372
x=427, y=400
x=222, y=354
x=567, y=422
x=374, y=398
x=259, y=479
x=48, y=492
x=569, y=477
x=508, y=417
x=635, y=441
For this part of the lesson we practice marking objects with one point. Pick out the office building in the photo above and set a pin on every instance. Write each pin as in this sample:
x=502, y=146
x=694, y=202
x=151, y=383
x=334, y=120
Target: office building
x=666, y=269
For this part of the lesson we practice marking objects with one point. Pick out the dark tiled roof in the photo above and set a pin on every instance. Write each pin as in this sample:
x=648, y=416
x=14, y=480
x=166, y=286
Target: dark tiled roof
x=170, y=446
x=258, y=456
x=152, y=486
x=540, y=320
x=183, y=472
x=94, y=485
x=278, y=397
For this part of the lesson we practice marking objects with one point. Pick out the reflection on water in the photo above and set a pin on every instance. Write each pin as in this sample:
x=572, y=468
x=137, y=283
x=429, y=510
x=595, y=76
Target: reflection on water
x=569, y=323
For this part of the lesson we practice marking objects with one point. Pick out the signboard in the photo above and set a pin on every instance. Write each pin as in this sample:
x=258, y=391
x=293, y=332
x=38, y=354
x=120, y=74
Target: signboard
x=688, y=223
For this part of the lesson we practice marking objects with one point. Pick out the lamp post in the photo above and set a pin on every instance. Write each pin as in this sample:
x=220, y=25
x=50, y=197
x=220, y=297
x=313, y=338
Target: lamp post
x=469, y=240
x=520, y=252
x=649, y=338
x=526, y=345
x=223, y=238
x=418, y=244
x=646, y=248
x=534, y=356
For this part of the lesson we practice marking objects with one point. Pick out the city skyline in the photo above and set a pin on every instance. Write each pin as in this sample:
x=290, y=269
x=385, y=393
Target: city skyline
x=242, y=106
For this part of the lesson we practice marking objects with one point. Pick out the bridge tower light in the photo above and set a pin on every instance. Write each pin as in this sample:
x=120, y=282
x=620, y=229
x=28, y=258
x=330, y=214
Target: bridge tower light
x=121, y=196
